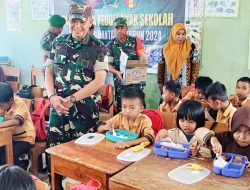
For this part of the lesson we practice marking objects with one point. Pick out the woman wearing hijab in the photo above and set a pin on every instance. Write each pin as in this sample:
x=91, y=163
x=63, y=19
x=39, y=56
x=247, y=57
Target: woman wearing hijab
x=180, y=59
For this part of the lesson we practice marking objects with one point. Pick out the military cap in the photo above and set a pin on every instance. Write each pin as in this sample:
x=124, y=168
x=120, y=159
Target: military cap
x=120, y=21
x=81, y=12
x=57, y=21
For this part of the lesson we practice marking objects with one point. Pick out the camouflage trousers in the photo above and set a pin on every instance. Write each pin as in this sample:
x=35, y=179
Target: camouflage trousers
x=119, y=88
x=64, y=128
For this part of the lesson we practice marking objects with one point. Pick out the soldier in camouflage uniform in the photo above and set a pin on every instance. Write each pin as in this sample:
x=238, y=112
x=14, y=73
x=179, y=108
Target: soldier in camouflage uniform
x=56, y=25
x=132, y=46
x=75, y=70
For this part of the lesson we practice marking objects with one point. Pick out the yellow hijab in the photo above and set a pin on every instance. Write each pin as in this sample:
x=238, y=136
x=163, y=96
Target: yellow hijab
x=176, y=54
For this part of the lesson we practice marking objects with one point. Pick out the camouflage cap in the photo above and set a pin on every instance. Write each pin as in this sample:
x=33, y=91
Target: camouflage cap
x=81, y=12
x=120, y=21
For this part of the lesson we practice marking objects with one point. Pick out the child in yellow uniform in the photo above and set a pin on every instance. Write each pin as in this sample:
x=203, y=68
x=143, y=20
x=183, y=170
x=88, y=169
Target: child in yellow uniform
x=242, y=90
x=16, y=115
x=198, y=94
x=216, y=95
x=190, y=117
x=131, y=119
x=171, y=97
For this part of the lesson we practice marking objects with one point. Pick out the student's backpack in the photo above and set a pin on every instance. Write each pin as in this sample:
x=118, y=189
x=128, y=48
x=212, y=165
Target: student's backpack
x=38, y=119
x=104, y=106
x=156, y=118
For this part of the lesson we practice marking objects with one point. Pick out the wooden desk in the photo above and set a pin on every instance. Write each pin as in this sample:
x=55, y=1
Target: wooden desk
x=152, y=173
x=6, y=140
x=83, y=163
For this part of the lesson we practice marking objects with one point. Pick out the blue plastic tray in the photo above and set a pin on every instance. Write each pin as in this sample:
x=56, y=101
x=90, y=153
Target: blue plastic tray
x=121, y=135
x=170, y=151
x=234, y=168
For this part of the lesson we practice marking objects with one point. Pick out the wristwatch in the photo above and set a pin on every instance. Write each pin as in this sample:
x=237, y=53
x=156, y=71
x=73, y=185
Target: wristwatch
x=72, y=99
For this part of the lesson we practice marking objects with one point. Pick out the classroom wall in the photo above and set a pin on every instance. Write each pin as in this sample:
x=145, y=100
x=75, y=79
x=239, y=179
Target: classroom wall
x=224, y=48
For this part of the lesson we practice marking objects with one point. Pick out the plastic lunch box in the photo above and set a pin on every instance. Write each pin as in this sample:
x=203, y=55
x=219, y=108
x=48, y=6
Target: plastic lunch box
x=121, y=135
x=171, y=152
x=235, y=166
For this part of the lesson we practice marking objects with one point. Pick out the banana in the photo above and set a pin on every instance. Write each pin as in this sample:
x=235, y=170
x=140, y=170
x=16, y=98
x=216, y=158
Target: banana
x=192, y=166
x=141, y=146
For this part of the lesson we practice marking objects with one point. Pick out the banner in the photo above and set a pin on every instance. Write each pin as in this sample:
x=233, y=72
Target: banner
x=150, y=20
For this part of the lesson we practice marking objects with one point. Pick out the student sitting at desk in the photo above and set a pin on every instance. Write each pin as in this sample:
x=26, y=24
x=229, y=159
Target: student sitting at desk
x=236, y=141
x=16, y=114
x=190, y=117
x=131, y=119
x=171, y=92
x=216, y=95
x=242, y=90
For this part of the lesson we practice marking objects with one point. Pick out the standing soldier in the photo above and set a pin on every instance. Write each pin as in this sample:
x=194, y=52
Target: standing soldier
x=75, y=69
x=56, y=25
x=132, y=46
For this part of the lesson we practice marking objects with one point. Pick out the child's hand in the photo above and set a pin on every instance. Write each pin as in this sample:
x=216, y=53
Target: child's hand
x=216, y=146
x=109, y=126
x=162, y=134
x=194, y=149
x=122, y=144
x=208, y=116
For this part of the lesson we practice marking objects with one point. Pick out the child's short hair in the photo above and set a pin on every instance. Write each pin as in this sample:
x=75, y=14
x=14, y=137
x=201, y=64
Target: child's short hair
x=244, y=79
x=6, y=92
x=13, y=178
x=132, y=93
x=173, y=86
x=203, y=82
x=192, y=110
x=216, y=91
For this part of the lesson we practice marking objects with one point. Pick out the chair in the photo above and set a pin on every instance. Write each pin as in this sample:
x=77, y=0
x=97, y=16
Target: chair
x=13, y=76
x=6, y=140
x=107, y=90
x=37, y=150
x=39, y=147
x=217, y=127
x=35, y=72
x=169, y=120
x=38, y=92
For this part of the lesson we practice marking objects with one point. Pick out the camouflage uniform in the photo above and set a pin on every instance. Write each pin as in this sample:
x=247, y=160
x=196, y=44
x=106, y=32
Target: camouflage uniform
x=75, y=62
x=114, y=51
x=46, y=42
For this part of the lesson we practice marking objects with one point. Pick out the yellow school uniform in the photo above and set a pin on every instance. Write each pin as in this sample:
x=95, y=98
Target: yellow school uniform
x=226, y=116
x=24, y=132
x=142, y=125
x=246, y=102
x=165, y=107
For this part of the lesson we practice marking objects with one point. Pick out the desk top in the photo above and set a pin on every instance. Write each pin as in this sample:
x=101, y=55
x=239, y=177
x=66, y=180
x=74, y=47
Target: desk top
x=152, y=173
x=101, y=157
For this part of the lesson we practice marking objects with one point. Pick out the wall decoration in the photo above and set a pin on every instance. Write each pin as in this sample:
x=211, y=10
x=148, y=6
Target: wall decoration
x=194, y=33
x=195, y=8
x=40, y=9
x=13, y=15
x=221, y=8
